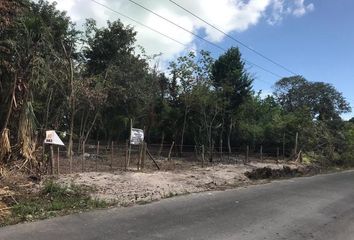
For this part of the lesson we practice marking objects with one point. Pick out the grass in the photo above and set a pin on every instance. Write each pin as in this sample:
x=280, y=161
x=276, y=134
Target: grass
x=53, y=200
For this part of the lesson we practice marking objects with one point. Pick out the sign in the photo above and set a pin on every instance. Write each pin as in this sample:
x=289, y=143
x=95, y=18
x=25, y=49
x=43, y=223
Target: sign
x=136, y=136
x=51, y=137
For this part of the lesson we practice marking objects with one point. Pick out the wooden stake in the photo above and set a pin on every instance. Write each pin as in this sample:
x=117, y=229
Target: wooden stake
x=247, y=153
x=141, y=146
x=144, y=155
x=278, y=150
x=284, y=146
x=220, y=150
x=126, y=154
x=130, y=145
x=58, y=162
x=51, y=160
x=83, y=156
x=112, y=155
x=97, y=154
x=196, y=152
x=261, y=153
x=149, y=154
x=161, y=145
x=211, y=151
x=203, y=156
x=71, y=161
x=169, y=153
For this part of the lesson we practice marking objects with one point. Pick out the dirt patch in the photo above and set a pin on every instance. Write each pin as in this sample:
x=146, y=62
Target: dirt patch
x=127, y=188
x=14, y=187
x=284, y=172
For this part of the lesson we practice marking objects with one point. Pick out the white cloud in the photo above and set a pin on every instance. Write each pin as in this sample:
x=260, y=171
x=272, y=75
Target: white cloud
x=301, y=9
x=282, y=8
x=228, y=15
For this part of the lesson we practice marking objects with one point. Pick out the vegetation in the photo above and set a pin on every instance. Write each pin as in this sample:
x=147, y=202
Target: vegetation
x=90, y=83
x=53, y=200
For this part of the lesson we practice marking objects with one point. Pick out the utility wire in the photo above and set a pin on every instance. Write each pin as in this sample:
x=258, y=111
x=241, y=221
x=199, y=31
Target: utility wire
x=199, y=37
x=140, y=23
x=234, y=39
x=186, y=45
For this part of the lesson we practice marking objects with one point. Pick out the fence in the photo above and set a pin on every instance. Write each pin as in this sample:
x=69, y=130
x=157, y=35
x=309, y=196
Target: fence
x=113, y=156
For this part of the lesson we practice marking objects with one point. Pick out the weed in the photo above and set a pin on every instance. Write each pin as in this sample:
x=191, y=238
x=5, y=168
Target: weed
x=54, y=200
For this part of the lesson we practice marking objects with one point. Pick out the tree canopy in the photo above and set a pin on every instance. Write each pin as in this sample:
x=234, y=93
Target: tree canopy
x=91, y=83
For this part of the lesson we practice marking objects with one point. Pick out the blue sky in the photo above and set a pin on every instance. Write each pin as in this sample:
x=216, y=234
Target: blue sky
x=319, y=46
x=313, y=38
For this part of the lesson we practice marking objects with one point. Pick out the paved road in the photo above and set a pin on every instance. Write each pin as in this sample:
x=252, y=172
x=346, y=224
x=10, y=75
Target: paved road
x=320, y=207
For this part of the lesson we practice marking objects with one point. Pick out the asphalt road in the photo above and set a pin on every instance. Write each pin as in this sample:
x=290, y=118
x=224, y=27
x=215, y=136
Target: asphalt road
x=319, y=207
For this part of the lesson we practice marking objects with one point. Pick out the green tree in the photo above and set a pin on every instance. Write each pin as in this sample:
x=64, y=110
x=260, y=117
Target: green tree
x=31, y=48
x=322, y=99
x=233, y=84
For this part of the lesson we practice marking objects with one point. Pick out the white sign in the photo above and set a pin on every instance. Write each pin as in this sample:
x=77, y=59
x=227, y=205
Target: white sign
x=51, y=137
x=136, y=136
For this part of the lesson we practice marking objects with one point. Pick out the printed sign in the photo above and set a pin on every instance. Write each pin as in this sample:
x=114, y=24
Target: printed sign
x=51, y=137
x=136, y=136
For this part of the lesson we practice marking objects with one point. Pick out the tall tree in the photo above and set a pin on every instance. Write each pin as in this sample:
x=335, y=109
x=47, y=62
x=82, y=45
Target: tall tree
x=30, y=50
x=322, y=99
x=234, y=85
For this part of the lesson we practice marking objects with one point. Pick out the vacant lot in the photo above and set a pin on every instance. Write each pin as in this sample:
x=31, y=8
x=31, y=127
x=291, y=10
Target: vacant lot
x=129, y=187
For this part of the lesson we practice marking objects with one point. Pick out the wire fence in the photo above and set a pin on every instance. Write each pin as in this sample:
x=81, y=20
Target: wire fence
x=113, y=156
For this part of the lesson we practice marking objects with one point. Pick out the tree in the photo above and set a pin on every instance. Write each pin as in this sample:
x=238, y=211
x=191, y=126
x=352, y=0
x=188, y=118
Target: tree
x=322, y=99
x=233, y=84
x=189, y=71
x=31, y=48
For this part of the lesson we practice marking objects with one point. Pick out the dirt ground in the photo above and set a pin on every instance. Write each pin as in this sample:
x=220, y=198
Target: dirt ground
x=129, y=187
x=13, y=187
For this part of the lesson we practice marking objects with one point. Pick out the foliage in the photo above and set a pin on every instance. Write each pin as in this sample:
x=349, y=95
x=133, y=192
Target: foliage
x=91, y=83
x=53, y=200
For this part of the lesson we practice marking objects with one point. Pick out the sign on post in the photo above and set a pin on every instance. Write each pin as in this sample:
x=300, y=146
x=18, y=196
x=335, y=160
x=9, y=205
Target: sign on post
x=136, y=136
x=51, y=137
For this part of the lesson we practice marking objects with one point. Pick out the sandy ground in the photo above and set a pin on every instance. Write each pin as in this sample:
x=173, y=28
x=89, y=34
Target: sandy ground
x=127, y=188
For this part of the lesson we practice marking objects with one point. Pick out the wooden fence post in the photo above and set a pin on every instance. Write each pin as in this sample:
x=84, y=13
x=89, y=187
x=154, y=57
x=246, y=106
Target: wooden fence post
x=261, y=153
x=284, y=146
x=278, y=154
x=71, y=161
x=97, y=154
x=138, y=166
x=58, y=162
x=161, y=145
x=220, y=150
x=112, y=155
x=126, y=154
x=83, y=156
x=196, y=152
x=247, y=154
x=169, y=153
x=144, y=155
x=51, y=160
x=129, y=154
x=203, y=156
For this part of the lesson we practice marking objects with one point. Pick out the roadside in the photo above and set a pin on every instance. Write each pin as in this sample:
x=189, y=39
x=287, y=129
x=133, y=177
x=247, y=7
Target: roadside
x=27, y=199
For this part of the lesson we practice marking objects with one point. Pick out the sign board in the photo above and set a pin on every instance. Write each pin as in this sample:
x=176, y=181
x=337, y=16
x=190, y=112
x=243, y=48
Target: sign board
x=136, y=136
x=51, y=137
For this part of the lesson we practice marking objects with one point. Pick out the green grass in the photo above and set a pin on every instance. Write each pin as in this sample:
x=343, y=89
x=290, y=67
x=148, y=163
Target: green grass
x=53, y=200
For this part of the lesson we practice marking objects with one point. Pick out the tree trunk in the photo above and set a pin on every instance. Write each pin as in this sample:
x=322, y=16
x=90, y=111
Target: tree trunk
x=10, y=105
x=183, y=129
x=161, y=145
x=229, y=137
x=72, y=109
x=89, y=130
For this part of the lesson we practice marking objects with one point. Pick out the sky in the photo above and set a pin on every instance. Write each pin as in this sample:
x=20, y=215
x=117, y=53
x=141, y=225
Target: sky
x=312, y=38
